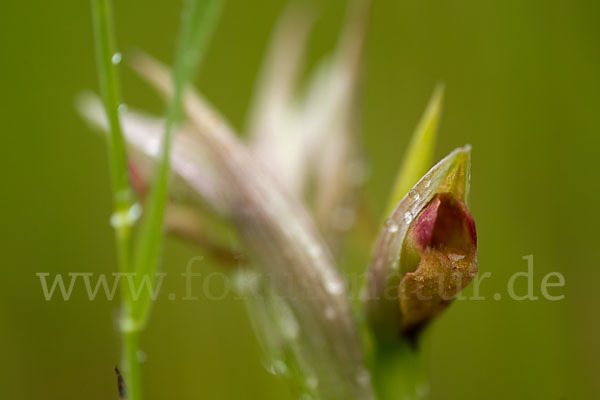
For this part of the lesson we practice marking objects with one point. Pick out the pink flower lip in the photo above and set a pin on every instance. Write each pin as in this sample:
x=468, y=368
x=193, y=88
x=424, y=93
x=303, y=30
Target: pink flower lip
x=445, y=223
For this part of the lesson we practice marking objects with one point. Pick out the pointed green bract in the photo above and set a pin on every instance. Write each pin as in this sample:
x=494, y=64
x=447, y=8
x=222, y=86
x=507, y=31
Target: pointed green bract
x=420, y=150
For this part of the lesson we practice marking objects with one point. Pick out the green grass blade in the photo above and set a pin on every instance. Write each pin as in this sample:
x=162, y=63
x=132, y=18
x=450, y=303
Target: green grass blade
x=198, y=22
x=122, y=218
x=109, y=88
x=419, y=154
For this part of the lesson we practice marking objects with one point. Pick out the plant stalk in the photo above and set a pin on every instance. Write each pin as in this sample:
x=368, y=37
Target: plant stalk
x=131, y=346
x=122, y=218
x=399, y=371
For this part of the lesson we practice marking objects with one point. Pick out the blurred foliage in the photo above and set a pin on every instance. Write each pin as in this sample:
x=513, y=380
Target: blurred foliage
x=521, y=86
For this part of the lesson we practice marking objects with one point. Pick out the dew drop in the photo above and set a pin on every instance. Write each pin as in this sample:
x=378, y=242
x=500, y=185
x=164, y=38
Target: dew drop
x=135, y=211
x=117, y=219
x=289, y=327
x=414, y=195
x=116, y=58
x=246, y=282
x=393, y=227
x=126, y=218
x=407, y=217
x=129, y=324
x=314, y=251
x=334, y=286
x=277, y=368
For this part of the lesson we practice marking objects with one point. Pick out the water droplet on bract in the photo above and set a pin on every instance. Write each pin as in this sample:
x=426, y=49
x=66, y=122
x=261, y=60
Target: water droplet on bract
x=393, y=227
x=246, y=282
x=314, y=251
x=116, y=58
x=277, y=368
x=408, y=217
x=289, y=326
x=126, y=218
x=117, y=219
x=135, y=211
x=414, y=195
x=334, y=286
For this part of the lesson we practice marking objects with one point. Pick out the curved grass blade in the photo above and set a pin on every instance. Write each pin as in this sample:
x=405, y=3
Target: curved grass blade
x=122, y=191
x=199, y=20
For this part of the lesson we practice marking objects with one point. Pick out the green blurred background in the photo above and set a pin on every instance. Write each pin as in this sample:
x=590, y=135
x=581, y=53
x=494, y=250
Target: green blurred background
x=522, y=83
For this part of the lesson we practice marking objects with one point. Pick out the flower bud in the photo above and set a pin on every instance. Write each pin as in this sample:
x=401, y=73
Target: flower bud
x=441, y=249
x=427, y=251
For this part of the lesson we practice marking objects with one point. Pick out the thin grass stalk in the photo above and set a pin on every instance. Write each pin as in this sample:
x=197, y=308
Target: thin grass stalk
x=198, y=22
x=122, y=193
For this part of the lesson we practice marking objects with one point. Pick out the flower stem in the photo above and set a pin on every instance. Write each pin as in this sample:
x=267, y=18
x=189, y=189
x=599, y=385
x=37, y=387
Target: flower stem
x=131, y=346
x=399, y=371
x=122, y=193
